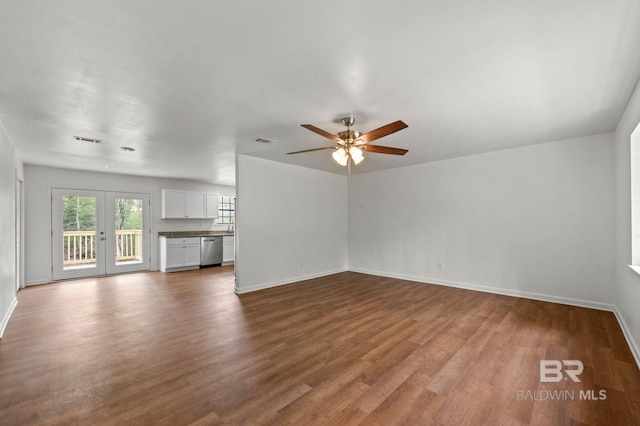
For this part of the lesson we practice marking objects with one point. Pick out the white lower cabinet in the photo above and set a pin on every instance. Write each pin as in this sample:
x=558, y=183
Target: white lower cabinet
x=228, y=250
x=179, y=254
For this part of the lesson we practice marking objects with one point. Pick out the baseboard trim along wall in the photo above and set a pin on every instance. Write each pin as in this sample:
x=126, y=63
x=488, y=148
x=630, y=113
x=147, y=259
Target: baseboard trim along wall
x=5, y=320
x=37, y=282
x=633, y=345
x=635, y=350
x=494, y=290
x=287, y=281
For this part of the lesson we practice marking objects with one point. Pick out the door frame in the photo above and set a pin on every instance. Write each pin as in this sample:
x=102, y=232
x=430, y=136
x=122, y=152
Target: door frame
x=105, y=234
x=19, y=213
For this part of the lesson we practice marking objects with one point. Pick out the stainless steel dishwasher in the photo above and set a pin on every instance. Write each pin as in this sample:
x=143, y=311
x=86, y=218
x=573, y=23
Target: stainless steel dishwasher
x=210, y=251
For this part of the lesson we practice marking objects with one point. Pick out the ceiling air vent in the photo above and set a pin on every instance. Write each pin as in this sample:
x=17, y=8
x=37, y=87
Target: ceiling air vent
x=264, y=140
x=83, y=139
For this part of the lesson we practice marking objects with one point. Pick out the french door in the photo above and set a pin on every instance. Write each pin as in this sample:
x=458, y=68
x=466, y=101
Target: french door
x=98, y=233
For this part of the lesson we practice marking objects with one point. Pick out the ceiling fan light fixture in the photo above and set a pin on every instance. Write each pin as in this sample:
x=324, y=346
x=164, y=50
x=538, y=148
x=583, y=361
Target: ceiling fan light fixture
x=341, y=156
x=356, y=154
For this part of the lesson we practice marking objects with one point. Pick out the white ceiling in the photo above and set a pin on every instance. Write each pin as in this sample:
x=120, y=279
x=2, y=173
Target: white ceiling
x=190, y=84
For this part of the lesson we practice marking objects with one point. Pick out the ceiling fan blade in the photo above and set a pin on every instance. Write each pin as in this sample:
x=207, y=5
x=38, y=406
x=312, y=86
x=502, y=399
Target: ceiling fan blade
x=383, y=131
x=321, y=132
x=383, y=149
x=313, y=149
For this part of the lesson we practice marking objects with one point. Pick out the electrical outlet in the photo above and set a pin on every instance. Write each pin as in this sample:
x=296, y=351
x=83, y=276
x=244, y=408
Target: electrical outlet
x=440, y=266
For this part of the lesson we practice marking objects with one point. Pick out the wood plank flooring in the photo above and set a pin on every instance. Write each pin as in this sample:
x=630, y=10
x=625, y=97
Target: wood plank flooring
x=348, y=349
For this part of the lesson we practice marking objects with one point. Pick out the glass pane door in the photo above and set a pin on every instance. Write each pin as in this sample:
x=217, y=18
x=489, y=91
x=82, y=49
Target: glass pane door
x=98, y=233
x=128, y=243
x=78, y=236
x=128, y=231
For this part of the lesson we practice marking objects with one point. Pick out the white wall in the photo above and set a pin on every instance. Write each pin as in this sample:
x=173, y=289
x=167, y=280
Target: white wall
x=10, y=168
x=39, y=181
x=627, y=282
x=290, y=223
x=535, y=221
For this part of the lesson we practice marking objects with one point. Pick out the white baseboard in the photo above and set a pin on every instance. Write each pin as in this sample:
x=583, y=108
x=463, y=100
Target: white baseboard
x=633, y=345
x=5, y=320
x=494, y=290
x=287, y=281
x=36, y=282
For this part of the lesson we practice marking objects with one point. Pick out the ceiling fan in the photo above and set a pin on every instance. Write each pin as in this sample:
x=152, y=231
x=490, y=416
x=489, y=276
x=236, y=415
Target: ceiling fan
x=350, y=144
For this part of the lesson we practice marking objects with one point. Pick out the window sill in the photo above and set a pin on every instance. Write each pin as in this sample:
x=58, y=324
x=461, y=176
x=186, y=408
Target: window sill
x=635, y=268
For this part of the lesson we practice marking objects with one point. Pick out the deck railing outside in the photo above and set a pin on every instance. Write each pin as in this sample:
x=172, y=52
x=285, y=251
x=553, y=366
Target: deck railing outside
x=80, y=248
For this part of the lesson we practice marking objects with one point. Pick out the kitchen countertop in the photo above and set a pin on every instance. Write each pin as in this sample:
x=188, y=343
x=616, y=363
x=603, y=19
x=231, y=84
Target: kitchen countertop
x=184, y=234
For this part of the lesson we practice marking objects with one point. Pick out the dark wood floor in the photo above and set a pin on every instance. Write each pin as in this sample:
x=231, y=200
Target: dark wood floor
x=182, y=348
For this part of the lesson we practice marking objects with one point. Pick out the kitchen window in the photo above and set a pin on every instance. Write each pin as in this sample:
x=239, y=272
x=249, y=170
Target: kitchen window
x=226, y=210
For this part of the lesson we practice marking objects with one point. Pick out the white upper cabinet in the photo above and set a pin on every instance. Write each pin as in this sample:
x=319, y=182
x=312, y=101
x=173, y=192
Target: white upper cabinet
x=195, y=204
x=188, y=205
x=172, y=204
x=212, y=205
